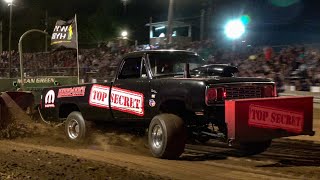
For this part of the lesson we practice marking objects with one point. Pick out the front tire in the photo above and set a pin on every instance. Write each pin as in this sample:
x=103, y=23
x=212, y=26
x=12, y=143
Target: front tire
x=75, y=127
x=167, y=136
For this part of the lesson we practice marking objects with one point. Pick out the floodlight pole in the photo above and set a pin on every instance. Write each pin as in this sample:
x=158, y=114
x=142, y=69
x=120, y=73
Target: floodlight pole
x=46, y=38
x=1, y=47
x=10, y=34
x=125, y=4
x=170, y=19
x=203, y=12
x=20, y=53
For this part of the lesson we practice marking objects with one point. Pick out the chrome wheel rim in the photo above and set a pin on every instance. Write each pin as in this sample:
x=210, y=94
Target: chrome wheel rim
x=73, y=129
x=157, y=137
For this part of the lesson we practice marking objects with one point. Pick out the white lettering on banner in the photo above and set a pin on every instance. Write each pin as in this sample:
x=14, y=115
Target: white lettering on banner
x=49, y=99
x=64, y=28
x=37, y=80
x=121, y=99
x=61, y=28
x=63, y=36
x=59, y=36
x=99, y=96
x=56, y=28
x=55, y=35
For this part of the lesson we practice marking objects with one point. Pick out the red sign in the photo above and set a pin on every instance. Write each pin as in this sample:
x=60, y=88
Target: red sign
x=72, y=92
x=266, y=117
x=127, y=101
x=121, y=99
x=99, y=96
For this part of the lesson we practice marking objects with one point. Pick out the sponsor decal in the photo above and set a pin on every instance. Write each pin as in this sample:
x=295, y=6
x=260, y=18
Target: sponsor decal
x=37, y=80
x=99, y=96
x=266, y=117
x=152, y=103
x=72, y=92
x=127, y=101
x=121, y=99
x=49, y=99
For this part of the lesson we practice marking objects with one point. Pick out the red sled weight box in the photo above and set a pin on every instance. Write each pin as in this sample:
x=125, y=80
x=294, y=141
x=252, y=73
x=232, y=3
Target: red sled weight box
x=256, y=120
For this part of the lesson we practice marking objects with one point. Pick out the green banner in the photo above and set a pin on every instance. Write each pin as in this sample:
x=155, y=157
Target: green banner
x=36, y=84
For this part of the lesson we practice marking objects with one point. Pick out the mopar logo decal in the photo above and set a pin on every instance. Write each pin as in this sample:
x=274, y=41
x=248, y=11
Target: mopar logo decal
x=49, y=99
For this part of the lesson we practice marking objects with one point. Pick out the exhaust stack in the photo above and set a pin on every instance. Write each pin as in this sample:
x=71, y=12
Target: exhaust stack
x=187, y=71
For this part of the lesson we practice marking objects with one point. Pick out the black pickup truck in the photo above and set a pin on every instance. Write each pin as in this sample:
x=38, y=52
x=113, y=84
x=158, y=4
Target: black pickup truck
x=173, y=94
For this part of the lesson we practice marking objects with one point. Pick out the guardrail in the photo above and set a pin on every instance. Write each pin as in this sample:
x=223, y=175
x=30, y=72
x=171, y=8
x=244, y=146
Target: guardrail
x=316, y=96
x=313, y=89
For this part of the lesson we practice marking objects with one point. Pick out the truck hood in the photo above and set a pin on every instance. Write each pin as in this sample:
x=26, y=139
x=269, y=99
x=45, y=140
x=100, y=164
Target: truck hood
x=224, y=80
x=218, y=80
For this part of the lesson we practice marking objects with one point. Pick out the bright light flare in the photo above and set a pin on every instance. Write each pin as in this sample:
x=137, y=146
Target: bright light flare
x=234, y=29
x=124, y=1
x=9, y=1
x=124, y=33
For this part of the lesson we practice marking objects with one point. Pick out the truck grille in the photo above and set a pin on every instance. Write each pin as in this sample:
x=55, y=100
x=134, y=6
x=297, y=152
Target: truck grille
x=243, y=92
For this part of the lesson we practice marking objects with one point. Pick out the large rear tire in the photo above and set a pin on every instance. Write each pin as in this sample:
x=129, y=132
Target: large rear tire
x=167, y=136
x=76, y=127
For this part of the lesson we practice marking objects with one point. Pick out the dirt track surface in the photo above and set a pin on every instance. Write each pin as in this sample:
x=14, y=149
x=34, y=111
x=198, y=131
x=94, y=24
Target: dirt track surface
x=43, y=152
x=121, y=156
x=20, y=161
x=115, y=156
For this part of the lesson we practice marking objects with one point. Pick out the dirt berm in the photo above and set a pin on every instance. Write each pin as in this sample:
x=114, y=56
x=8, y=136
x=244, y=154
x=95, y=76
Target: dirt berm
x=14, y=121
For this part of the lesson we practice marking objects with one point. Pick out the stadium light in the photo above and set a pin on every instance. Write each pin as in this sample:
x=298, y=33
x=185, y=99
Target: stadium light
x=124, y=34
x=234, y=29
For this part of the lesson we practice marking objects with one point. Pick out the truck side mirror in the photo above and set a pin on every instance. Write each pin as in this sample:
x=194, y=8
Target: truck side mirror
x=186, y=73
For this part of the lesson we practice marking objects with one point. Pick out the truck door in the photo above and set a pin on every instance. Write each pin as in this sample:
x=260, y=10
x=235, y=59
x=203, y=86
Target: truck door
x=131, y=90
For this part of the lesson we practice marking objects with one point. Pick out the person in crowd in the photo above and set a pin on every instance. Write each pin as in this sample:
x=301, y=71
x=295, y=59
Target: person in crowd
x=280, y=65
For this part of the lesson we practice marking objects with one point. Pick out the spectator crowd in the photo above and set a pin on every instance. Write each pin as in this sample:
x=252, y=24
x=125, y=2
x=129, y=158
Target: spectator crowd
x=292, y=65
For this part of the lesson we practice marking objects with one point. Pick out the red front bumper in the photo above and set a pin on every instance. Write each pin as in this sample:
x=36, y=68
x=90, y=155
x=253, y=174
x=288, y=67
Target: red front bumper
x=253, y=120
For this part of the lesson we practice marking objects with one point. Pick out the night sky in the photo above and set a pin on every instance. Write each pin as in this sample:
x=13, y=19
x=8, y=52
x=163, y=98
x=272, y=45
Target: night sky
x=272, y=21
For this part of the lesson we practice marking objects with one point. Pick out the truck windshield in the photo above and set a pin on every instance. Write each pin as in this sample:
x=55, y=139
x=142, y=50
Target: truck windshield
x=167, y=64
